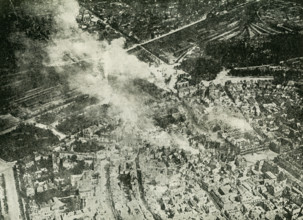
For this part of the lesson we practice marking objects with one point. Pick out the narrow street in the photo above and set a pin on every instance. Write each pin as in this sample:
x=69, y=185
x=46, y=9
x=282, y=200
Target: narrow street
x=141, y=188
x=110, y=193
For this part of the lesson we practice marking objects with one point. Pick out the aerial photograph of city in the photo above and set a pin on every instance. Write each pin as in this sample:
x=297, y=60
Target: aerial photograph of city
x=151, y=109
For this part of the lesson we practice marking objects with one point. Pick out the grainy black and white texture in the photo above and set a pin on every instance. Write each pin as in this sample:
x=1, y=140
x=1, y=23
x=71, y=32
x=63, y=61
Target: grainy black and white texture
x=151, y=109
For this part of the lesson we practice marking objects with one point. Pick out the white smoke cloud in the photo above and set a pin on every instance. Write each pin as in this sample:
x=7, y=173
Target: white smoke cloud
x=90, y=66
x=102, y=59
x=105, y=60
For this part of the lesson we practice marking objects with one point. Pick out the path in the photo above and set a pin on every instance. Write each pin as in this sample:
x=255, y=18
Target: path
x=58, y=134
x=169, y=33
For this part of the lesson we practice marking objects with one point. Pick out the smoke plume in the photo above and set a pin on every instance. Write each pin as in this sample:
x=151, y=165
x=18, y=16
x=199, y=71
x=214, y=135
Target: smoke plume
x=104, y=70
